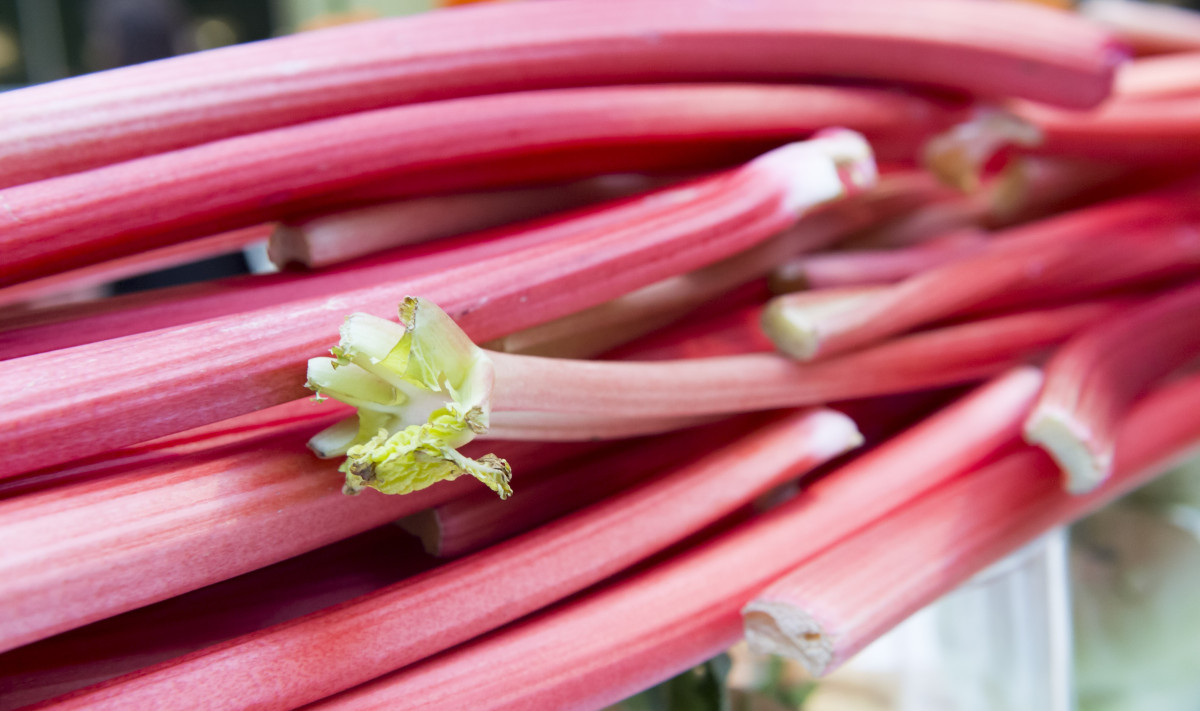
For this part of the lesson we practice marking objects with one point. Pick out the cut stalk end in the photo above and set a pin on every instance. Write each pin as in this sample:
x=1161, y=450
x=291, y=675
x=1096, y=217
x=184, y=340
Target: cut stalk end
x=785, y=630
x=1083, y=469
x=831, y=165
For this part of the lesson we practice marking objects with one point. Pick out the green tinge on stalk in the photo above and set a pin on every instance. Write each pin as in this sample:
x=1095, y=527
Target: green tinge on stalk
x=422, y=390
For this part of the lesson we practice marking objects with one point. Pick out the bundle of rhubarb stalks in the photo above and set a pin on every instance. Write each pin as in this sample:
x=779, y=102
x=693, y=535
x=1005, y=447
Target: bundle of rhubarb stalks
x=653, y=323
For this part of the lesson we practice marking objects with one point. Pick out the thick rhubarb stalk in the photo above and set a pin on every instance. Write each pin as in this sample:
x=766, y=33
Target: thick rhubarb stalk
x=865, y=267
x=422, y=389
x=832, y=606
x=1092, y=380
x=1065, y=256
x=113, y=116
x=184, y=623
x=1149, y=27
x=626, y=637
x=480, y=519
x=1128, y=131
x=108, y=212
x=81, y=552
x=1170, y=75
x=52, y=329
x=373, y=635
x=340, y=237
x=213, y=370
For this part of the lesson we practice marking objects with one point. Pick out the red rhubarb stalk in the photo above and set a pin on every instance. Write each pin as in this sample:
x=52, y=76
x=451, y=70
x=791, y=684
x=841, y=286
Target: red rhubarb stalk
x=262, y=351
x=118, y=115
x=108, y=212
x=832, y=606
x=1092, y=380
x=955, y=354
x=373, y=635
x=1062, y=257
x=82, y=552
x=478, y=520
x=342, y=236
x=680, y=612
x=271, y=595
x=1128, y=131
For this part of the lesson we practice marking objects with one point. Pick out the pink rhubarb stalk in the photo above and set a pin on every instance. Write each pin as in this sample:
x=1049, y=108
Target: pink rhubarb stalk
x=1092, y=380
x=1129, y=131
x=373, y=635
x=832, y=606
x=114, y=116
x=1060, y=257
x=478, y=520
x=626, y=637
x=76, y=553
x=100, y=214
x=174, y=379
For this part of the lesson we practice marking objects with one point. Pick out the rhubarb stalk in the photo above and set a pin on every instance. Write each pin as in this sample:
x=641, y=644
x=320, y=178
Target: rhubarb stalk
x=113, y=116
x=1062, y=257
x=375, y=634
x=120, y=209
x=422, y=389
x=684, y=610
x=76, y=553
x=833, y=605
x=672, y=231
x=1092, y=380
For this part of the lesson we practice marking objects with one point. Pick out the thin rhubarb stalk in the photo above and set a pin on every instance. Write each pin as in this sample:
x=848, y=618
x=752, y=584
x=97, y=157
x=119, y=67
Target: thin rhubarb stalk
x=1149, y=27
x=136, y=313
x=78, y=553
x=373, y=635
x=340, y=237
x=118, y=115
x=1065, y=256
x=480, y=519
x=51, y=329
x=116, y=210
x=1092, y=380
x=615, y=642
x=1169, y=75
x=422, y=389
x=832, y=606
x=103, y=273
x=864, y=267
x=220, y=368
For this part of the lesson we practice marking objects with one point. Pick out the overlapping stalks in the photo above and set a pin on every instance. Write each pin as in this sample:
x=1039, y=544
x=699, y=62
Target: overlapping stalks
x=540, y=239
